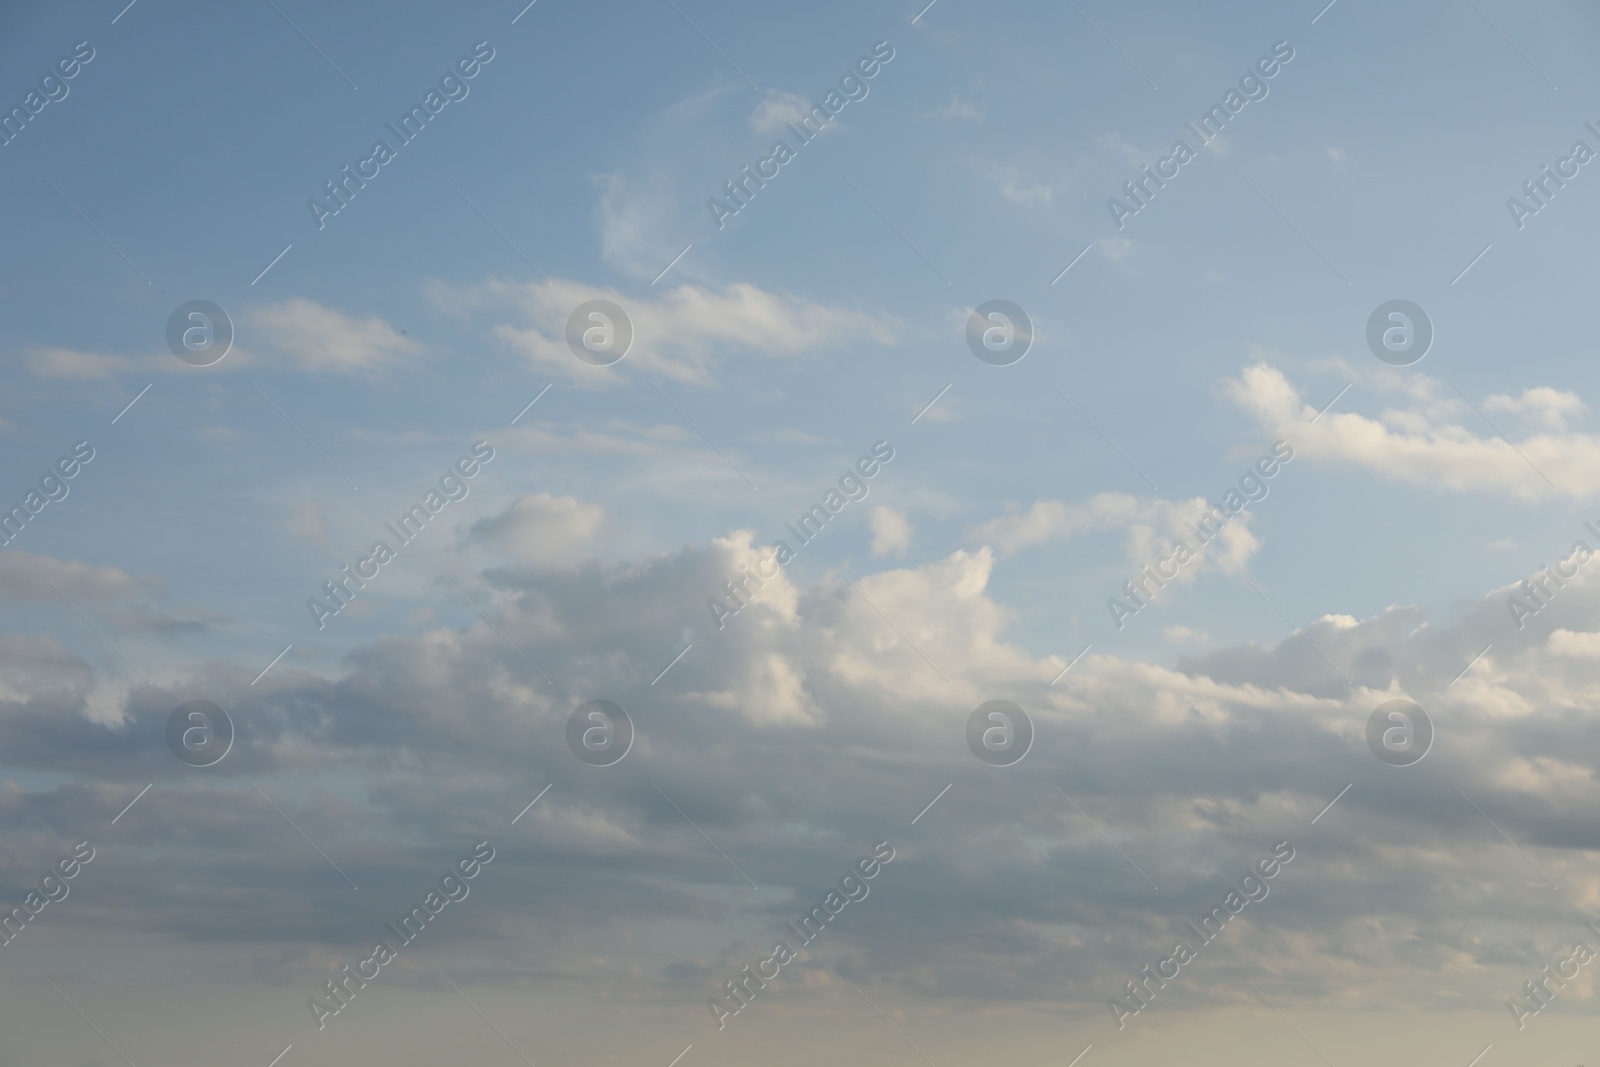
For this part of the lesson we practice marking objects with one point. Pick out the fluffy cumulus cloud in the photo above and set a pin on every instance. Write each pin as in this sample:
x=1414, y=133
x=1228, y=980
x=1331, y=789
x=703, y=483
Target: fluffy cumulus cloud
x=679, y=333
x=821, y=718
x=541, y=529
x=1436, y=439
x=1550, y=407
x=891, y=531
x=1567, y=643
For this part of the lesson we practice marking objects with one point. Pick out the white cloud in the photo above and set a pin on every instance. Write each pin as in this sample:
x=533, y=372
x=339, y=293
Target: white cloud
x=678, y=333
x=937, y=614
x=542, y=530
x=106, y=702
x=1116, y=249
x=308, y=519
x=137, y=601
x=636, y=219
x=1125, y=152
x=28, y=577
x=646, y=207
x=791, y=436
x=67, y=363
x=1549, y=407
x=609, y=438
x=1430, y=443
x=777, y=107
x=1020, y=188
x=320, y=339
x=771, y=692
x=1051, y=519
x=955, y=109
x=891, y=531
x=822, y=714
x=1578, y=645
x=37, y=668
x=1150, y=525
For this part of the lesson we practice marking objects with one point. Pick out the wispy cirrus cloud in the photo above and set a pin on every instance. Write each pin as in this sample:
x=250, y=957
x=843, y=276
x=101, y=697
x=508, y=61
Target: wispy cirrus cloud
x=680, y=332
x=1149, y=526
x=323, y=340
x=71, y=363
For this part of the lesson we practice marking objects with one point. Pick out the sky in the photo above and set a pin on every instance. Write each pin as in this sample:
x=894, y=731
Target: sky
x=944, y=387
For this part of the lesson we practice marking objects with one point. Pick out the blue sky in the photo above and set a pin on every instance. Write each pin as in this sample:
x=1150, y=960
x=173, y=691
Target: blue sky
x=773, y=352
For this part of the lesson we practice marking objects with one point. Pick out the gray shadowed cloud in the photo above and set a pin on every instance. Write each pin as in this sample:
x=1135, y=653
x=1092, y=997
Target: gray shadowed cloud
x=1003, y=891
